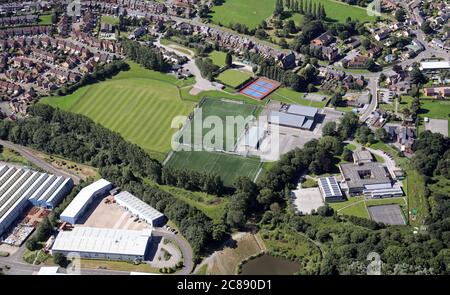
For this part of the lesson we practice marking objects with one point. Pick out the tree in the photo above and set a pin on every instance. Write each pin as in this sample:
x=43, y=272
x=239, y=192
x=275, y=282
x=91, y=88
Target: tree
x=261, y=34
x=325, y=211
x=44, y=230
x=348, y=125
x=366, y=43
x=32, y=244
x=381, y=134
x=329, y=129
x=347, y=155
x=417, y=77
x=229, y=59
x=60, y=259
x=362, y=134
x=278, y=8
x=400, y=15
x=426, y=28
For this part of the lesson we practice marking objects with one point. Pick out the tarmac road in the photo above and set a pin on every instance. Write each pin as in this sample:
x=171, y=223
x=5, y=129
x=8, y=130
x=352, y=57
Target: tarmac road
x=28, y=154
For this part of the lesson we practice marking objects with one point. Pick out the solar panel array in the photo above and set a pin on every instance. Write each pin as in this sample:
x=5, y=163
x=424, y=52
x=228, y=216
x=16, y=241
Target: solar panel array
x=330, y=187
x=260, y=88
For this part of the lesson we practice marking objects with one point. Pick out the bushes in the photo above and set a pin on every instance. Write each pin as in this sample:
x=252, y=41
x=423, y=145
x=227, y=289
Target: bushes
x=193, y=181
x=150, y=58
x=207, y=68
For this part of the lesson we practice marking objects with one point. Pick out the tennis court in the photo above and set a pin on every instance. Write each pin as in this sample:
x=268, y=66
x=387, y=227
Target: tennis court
x=260, y=88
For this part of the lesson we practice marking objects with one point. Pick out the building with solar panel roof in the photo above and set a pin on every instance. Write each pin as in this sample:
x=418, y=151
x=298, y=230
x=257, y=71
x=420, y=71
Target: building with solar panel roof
x=330, y=190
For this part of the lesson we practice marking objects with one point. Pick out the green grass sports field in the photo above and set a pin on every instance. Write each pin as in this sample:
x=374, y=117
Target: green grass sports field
x=221, y=110
x=249, y=12
x=253, y=12
x=228, y=167
x=233, y=78
x=139, y=104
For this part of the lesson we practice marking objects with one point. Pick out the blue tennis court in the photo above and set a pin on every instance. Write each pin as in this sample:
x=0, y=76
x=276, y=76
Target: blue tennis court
x=260, y=88
x=253, y=93
x=265, y=84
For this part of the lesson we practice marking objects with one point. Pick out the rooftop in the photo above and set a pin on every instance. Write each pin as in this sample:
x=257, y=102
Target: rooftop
x=291, y=120
x=135, y=204
x=83, y=197
x=358, y=176
x=103, y=240
x=434, y=65
x=362, y=156
x=330, y=187
x=302, y=110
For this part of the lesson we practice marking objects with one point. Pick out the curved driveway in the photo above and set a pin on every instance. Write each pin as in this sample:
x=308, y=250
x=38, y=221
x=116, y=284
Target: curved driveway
x=184, y=246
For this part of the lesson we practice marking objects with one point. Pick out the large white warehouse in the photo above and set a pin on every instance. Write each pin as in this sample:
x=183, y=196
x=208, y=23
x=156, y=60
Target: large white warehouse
x=84, y=198
x=103, y=243
x=20, y=186
x=140, y=208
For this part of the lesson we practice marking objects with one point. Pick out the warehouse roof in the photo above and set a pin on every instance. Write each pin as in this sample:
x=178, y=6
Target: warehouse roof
x=435, y=65
x=103, y=240
x=139, y=207
x=286, y=119
x=83, y=197
x=302, y=110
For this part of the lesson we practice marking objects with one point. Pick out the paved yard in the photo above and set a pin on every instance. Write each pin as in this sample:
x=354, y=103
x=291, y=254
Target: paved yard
x=437, y=126
x=105, y=214
x=387, y=214
x=307, y=199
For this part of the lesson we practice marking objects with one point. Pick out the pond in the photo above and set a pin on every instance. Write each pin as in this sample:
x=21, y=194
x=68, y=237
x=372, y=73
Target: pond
x=270, y=265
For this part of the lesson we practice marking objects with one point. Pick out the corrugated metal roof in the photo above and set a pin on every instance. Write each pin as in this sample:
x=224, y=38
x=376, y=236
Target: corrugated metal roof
x=302, y=110
x=285, y=119
x=83, y=197
x=103, y=240
x=138, y=207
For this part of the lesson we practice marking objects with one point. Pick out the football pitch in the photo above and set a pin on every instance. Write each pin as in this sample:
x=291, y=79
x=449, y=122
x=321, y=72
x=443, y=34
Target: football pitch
x=139, y=104
x=227, y=118
x=252, y=12
x=228, y=167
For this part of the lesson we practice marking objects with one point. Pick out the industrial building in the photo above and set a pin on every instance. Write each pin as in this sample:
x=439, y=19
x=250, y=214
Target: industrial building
x=103, y=243
x=140, y=209
x=84, y=198
x=294, y=116
x=434, y=65
x=370, y=179
x=330, y=190
x=19, y=187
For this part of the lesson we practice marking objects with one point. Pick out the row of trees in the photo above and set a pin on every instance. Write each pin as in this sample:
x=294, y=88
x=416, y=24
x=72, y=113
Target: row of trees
x=193, y=181
x=207, y=68
x=77, y=137
x=150, y=58
x=432, y=154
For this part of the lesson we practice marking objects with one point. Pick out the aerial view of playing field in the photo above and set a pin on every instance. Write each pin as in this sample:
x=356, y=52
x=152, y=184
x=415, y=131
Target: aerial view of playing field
x=234, y=78
x=139, y=104
x=224, y=110
x=252, y=12
x=228, y=167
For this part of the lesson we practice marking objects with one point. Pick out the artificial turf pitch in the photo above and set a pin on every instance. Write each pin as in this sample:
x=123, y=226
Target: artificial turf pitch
x=228, y=167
